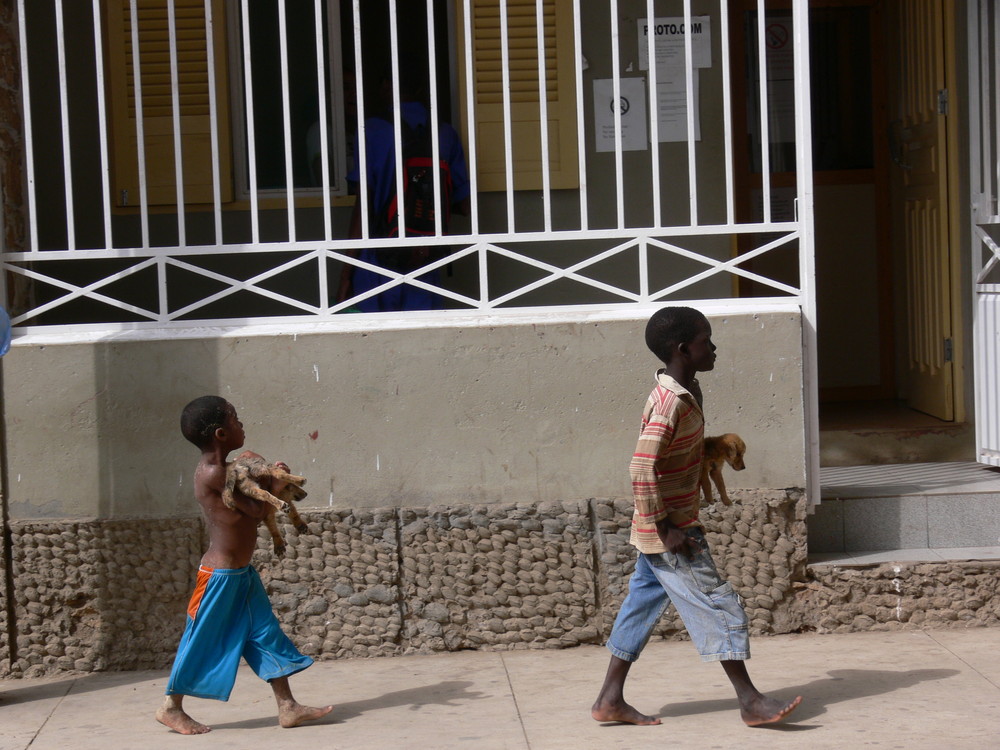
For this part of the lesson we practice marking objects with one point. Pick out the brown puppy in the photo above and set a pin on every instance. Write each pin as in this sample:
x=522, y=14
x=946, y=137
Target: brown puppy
x=724, y=449
x=246, y=474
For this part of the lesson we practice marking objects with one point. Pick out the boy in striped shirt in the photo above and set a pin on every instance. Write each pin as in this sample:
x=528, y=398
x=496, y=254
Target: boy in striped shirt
x=674, y=563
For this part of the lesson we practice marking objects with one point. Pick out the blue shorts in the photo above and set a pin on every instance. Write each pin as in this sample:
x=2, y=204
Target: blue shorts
x=229, y=617
x=711, y=610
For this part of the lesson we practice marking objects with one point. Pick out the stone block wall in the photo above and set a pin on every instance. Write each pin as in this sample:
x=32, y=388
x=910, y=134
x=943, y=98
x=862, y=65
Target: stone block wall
x=92, y=596
x=102, y=595
x=895, y=596
x=6, y=607
x=336, y=591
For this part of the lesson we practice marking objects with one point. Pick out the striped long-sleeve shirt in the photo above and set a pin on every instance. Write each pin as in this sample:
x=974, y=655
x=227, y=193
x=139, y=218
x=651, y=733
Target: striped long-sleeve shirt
x=666, y=465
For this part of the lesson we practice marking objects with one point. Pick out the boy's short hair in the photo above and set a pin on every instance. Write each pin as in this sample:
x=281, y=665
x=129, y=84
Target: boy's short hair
x=670, y=326
x=202, y=417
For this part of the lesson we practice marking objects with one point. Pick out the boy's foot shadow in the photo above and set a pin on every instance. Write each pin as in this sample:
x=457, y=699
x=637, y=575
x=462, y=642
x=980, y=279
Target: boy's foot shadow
x=450, y=693
x=841, y=685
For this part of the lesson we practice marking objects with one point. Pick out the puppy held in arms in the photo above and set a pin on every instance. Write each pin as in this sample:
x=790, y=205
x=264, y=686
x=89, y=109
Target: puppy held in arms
x=247, y=473
x=724, y=449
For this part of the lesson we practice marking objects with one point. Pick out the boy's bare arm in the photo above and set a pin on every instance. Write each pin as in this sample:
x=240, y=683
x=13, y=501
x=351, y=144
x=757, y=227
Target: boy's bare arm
x=212, y=481
x=248, y=506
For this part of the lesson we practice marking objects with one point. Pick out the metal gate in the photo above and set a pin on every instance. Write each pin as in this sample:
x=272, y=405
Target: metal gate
x=984, y=175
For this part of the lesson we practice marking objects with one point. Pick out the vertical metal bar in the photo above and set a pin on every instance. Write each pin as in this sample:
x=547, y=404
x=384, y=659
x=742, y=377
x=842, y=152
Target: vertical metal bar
x=286, y=119
x=213, y=115
x=654, y=112
x=362, y=152
x=689, y=94
x=644, y=270
x=581, y=133
x=140, y=131
x=397, y=115
x=483, y=257
x=980, y=356
x=321, y=258
x=176, y=105
x=435, y=124
x=727, y=114
x=990, y=382
x=980, y=33
x=765, y=132
x=507, y=134
x=543, y=114
x=251, y=138
x=993, y=145
x=989, y=376
x=470, y=116
x=29, y=140
x=161, y=285
x=324, y=144
x=806, y=227
x=102, y=125
x=64, y=118
x=616, y=97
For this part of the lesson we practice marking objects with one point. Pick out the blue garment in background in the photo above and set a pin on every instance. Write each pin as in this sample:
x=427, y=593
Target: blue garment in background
x=4, y=332
x=380, y=145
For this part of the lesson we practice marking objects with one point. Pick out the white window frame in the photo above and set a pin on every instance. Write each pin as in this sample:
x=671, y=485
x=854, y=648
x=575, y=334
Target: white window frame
x=335, y=106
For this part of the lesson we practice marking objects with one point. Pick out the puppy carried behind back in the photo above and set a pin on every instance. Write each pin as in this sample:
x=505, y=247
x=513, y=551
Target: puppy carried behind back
x=246, y=475
x=724, y=449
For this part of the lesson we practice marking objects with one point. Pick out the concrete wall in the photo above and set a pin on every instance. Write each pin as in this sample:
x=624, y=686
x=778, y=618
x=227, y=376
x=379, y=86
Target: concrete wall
x=510, y=411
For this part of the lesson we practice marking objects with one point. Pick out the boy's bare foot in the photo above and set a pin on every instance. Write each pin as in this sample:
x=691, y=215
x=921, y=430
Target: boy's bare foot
x=764, y=710
x=179, y=721
x=622, y=713
x=291, y=714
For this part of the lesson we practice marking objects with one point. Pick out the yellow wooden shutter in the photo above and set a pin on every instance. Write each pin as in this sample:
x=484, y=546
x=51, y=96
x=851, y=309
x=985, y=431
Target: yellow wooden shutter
x=524, y=93
x=158, y=125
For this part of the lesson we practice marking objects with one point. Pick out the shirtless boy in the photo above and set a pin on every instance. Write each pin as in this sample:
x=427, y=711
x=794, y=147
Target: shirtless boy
x=674, y=563
x=229, y=615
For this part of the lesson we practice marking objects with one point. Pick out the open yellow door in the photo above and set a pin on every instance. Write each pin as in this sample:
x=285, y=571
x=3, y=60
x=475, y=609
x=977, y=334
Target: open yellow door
x=919, y=95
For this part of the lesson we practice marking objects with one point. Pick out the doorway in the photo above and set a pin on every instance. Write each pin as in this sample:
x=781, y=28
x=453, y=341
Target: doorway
x=885, y=161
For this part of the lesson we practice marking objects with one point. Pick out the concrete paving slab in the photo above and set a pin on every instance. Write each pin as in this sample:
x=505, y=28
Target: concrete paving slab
x=877, y=690
x=25, y=705
x=978, y=648
x=906, y=689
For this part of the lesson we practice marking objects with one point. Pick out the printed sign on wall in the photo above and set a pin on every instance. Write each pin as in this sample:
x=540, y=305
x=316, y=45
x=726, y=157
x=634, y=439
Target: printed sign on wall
x=631, y=103
x=668, y=42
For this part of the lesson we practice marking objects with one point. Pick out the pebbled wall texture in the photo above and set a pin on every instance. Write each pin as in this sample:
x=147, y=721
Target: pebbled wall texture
x=110, y=595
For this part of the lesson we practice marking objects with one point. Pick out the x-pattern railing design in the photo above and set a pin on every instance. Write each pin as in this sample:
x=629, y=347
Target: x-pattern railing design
x=991, y=244
x=644, y=242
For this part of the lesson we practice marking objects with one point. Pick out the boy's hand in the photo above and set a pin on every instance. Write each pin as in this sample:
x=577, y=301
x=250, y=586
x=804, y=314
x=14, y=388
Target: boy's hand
x=276, y=484
x=248, y=506
x=676, y=541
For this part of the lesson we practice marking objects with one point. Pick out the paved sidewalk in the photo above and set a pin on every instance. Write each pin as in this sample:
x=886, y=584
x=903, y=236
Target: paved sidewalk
x=908, y=690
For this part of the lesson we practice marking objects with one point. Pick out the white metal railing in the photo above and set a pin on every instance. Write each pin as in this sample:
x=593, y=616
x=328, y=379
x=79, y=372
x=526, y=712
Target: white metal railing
x=984, y=171
x=92, y=262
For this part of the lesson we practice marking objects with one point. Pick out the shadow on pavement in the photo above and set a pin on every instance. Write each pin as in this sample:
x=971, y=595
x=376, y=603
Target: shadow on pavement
x=450, y=693
x=59, y=687
x=841, y=685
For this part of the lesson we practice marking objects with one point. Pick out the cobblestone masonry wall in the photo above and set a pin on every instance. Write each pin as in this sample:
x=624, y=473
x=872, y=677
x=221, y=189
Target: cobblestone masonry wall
x=111, y=595
x=6, y=612
x=905, y=595
x=100, y=596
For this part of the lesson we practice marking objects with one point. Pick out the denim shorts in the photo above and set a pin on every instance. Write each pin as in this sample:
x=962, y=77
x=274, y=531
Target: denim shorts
x=711, y=610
